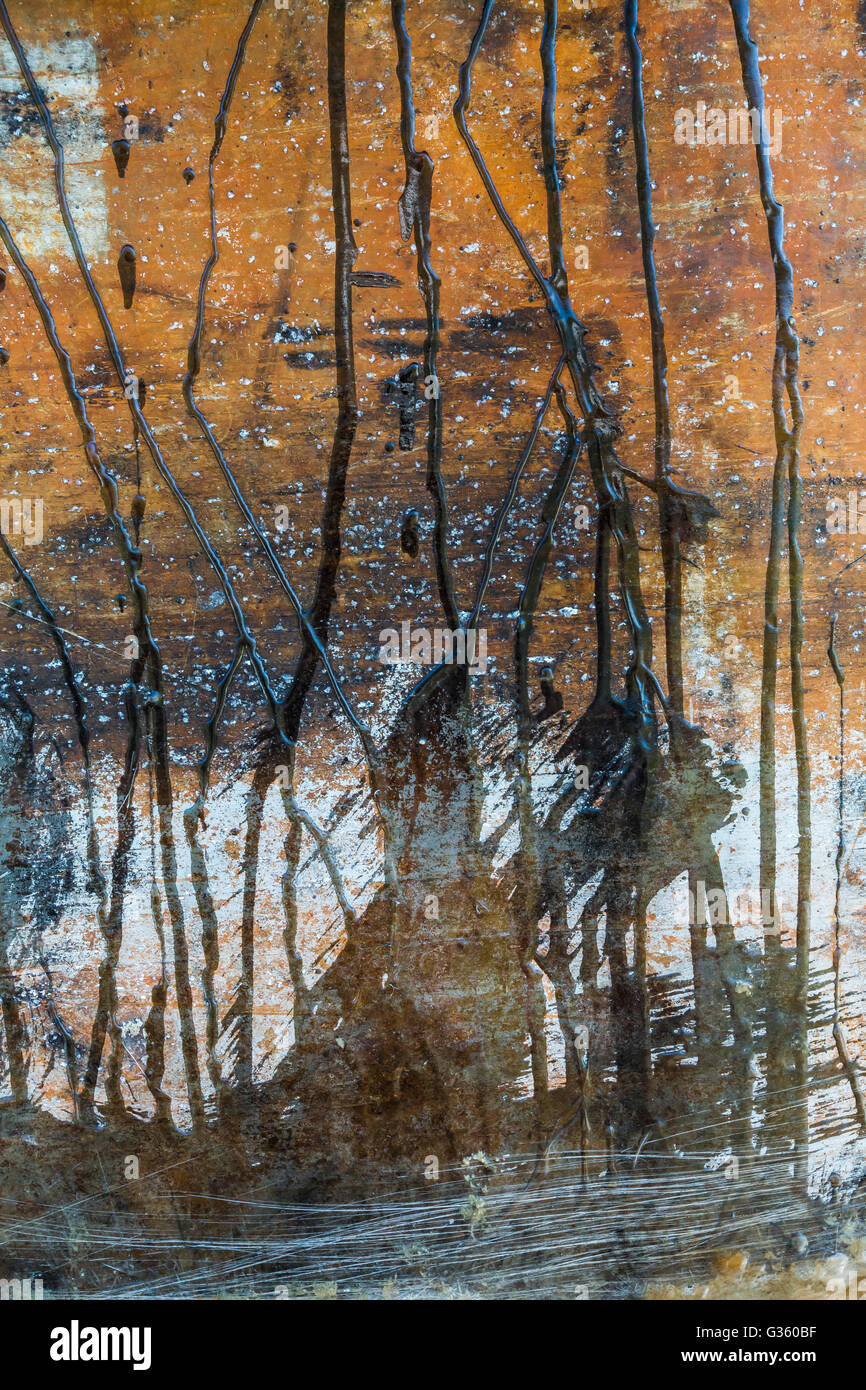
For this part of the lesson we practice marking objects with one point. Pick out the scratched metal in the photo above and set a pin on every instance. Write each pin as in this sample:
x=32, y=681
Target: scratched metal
x=327, y=326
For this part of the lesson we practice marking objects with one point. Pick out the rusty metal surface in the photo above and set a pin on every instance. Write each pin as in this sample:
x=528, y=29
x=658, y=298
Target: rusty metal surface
x=409, y=918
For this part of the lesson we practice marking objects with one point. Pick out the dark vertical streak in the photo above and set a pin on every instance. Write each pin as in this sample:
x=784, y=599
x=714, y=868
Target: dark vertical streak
x=154, y=1026
x=316, y=631
x=105, y=1019
x=126, y=272
x=558, y=277
x=838, y=1024
x=10, y=920
x=785, y=363
x=192, y=816
x=415, y=204
x=785, y=368
x=601, y=603
x=300, y=993
x=244, y=1006
x=667, y=513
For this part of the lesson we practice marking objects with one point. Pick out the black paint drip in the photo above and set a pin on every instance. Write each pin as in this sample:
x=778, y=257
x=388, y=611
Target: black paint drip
x=126, y=271
x=409, y=533
x=402, y=390
x=120, y=149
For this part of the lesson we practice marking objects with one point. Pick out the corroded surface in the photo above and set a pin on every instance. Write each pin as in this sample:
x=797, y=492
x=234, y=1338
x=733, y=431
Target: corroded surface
x=379, y=334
